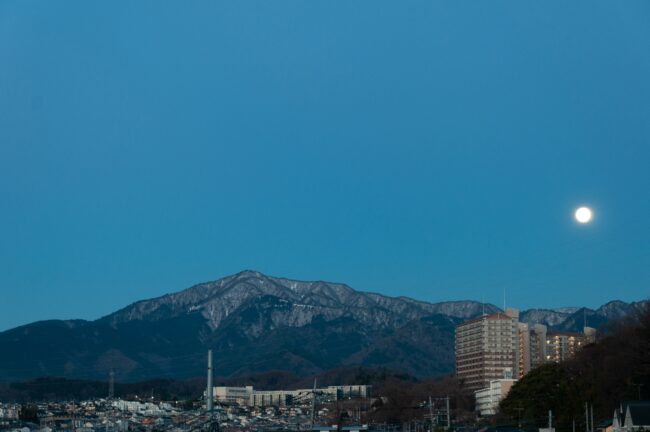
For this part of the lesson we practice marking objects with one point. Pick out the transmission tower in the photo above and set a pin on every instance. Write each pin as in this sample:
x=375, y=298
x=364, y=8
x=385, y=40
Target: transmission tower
x=111, y=385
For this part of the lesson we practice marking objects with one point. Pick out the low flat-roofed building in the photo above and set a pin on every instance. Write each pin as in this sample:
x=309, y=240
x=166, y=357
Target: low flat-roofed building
x=349, y=391
x=239, y=395
x=488, y=399
x=272, y=398
x=261, y=398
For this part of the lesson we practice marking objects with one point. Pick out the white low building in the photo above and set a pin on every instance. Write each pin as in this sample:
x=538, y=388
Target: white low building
x=143, y=408
x=488, y=399
x=248, y=396
x=240, y=395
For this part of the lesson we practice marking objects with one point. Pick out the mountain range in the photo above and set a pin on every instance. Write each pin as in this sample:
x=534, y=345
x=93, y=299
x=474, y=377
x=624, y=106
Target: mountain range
x=257, y=323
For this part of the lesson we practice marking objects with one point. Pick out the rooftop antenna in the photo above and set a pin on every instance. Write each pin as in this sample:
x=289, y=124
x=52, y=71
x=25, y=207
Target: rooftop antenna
x=504, y=298
x=483, y=304
x=585, y=318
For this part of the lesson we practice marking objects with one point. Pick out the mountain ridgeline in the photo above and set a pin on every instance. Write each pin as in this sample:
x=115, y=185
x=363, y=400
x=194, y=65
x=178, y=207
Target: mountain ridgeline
x=256, y=323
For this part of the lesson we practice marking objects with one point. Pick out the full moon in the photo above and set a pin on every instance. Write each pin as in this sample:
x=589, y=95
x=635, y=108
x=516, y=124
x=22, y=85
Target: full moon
x=583, y=215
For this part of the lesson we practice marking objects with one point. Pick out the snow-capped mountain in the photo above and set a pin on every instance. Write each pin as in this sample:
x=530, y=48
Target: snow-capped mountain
x=258, y=323
x=215, y=301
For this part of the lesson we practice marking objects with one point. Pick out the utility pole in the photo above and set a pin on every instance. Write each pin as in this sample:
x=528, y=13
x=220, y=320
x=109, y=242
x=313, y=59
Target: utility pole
x=448, y=415
x=550, y=420
x=431, y=413
x=74, y=423
x=313, y=405
x=519, y=410
x=573, y=429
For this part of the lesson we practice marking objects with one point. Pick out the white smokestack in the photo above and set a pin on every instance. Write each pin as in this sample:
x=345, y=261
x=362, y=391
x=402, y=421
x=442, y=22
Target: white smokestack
x=210, y=401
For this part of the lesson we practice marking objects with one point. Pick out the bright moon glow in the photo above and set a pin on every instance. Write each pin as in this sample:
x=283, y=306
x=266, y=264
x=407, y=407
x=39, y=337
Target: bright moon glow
x=583, y=215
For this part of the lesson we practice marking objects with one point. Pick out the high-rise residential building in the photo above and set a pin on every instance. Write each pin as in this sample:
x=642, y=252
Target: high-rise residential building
x=537, y=335
x=524, y=349
x=561, y=346
x=487, y=347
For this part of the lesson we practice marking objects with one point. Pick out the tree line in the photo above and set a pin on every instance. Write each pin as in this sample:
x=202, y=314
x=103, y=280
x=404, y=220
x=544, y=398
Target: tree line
x=614, y=369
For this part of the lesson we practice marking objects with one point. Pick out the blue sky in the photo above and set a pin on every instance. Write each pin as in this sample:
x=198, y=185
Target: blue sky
x=434, y=149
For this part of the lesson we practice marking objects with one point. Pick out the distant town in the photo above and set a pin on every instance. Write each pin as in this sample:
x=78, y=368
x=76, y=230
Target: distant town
x=493, y=352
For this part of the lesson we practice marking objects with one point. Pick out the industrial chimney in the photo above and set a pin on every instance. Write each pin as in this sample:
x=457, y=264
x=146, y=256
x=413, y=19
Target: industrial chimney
x=210, y=393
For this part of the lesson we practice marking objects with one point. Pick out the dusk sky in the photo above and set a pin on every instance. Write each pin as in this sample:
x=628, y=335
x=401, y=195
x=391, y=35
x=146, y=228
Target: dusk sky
x=433, y=149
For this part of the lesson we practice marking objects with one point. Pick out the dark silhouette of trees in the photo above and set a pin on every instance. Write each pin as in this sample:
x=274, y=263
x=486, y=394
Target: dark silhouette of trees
x=403, y=400
x=28, y=413
x=614, y=369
